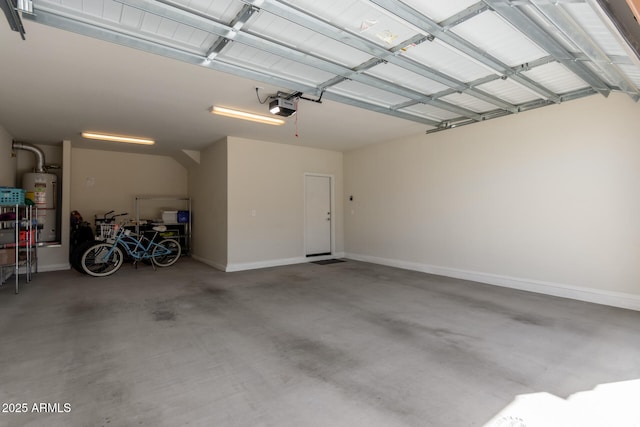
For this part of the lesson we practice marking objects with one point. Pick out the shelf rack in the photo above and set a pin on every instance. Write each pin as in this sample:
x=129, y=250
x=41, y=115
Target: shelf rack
x=24, y=242
x=185, y=201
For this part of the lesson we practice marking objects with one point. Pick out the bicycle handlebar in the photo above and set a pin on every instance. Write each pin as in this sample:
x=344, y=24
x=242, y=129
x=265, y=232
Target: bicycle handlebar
x=107, y=218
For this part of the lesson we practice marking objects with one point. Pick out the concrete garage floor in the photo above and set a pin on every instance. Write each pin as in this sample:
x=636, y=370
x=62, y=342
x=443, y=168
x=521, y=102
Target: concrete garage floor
x=347, y=344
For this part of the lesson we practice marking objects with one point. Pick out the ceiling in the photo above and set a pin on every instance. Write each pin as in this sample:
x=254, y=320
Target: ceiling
x=361, y=72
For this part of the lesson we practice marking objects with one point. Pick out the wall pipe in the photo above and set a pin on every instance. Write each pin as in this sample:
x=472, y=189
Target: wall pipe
x=35, y=150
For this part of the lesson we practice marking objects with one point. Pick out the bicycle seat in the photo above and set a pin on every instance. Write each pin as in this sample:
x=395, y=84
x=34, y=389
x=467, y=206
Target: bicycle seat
x=160, y=228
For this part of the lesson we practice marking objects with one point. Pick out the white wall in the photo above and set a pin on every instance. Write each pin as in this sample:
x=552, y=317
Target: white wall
x=7, y=161
x=56, y=257
x=268, y=179
x=546, y=200
x=208, y=190
x=108, y=180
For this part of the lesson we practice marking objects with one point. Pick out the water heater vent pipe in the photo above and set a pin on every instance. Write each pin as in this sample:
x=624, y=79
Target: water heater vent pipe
x=35, y=150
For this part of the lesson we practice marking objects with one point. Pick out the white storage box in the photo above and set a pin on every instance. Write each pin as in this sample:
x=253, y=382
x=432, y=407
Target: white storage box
x=170, y=217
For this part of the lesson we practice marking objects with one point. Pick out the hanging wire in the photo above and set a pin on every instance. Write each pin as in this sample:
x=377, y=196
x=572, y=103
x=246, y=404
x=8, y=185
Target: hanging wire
x=296, y=96
x=266, y=99
x=297, y=114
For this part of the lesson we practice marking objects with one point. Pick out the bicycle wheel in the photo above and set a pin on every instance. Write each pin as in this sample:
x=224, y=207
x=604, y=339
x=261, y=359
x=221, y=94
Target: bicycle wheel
x=159, y=255
x=96, y=262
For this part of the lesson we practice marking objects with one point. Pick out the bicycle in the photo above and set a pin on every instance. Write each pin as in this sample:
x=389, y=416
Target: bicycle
x=105, y=258
x=104, y=227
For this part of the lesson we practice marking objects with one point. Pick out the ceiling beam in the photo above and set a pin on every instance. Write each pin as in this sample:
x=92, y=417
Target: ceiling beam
x=57, y=15
x=559, y=17
x=184, y=15
x=450, y=124
x=293, y=14
x=464, y=15
x=236, y=24
x=420, y=20
x=539, y=36
x=52, y=19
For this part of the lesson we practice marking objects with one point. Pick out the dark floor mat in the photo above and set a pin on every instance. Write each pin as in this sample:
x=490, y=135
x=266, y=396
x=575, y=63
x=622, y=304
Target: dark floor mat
x=327, y=261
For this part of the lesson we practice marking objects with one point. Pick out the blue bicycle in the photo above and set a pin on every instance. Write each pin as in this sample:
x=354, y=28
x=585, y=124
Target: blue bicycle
x=105, y=258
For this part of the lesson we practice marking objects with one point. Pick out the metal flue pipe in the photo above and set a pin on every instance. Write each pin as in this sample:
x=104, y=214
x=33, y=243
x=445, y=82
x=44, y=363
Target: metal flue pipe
x=35, y=150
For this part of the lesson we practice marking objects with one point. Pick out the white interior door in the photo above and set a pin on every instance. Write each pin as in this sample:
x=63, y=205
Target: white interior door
x=318, y=215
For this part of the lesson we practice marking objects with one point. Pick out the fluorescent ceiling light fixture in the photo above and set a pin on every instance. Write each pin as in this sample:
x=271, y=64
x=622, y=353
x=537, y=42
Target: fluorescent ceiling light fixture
x=117, y=138
x=222, y=111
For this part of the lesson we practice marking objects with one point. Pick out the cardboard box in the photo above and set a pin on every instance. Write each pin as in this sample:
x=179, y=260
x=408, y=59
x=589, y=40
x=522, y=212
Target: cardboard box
x=7, y=235
x=7, y=256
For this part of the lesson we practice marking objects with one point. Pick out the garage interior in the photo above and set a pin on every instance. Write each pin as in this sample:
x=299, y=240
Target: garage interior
x=471, y=258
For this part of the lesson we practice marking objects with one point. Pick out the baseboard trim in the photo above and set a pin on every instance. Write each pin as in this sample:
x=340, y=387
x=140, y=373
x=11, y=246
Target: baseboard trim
x=597, y=296
x=208, y=262
x=241, y=266
x=53, y=267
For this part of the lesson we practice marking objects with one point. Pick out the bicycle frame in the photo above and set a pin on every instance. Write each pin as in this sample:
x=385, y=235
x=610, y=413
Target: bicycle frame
x=136, y=246
x=105, y=258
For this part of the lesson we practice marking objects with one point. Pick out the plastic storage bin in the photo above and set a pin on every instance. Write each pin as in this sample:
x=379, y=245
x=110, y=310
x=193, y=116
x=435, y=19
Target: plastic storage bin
x=183, y=217
x=11, y=196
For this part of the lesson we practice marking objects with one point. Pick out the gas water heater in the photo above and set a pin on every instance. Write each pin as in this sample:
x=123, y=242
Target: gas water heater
x=43, y=186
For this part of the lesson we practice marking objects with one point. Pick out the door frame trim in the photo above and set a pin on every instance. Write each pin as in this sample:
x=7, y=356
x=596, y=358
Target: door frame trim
x=332, y=201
